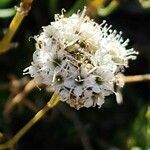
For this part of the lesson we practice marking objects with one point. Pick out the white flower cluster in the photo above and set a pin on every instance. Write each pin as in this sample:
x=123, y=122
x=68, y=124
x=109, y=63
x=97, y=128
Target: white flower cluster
x=80, y=59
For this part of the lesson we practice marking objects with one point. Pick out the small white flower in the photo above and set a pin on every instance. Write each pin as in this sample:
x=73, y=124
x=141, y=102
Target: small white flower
x=64, y=95
x=80, y=59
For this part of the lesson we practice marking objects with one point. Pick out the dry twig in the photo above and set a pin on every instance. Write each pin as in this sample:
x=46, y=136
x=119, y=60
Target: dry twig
x=136, y=78
x=20, y=96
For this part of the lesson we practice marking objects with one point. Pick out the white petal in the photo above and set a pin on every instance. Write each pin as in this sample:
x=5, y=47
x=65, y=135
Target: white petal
x=64, y=95
x=88, y=103
x=87, y=93
x=69, y=83
x=96, y=89
x=78, y=91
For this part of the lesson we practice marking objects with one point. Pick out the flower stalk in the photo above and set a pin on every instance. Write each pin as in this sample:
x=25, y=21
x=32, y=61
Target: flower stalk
x=22, y=11
x=10, y=144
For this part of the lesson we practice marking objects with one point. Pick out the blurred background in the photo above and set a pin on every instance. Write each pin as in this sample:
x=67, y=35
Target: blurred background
x=113, y=127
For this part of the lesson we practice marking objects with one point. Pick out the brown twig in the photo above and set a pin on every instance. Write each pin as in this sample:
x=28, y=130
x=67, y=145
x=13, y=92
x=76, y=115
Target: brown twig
x=14, y=84
x=136, y=78
x=20, y=96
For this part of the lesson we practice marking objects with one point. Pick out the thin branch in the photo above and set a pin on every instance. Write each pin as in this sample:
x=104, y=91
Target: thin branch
x=51, y=103
x=13, y=84
x=22, y=11
x=136, y=78
x=20, y=96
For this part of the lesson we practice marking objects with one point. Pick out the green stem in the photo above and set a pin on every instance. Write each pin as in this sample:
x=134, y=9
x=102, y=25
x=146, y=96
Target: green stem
x=14, y=25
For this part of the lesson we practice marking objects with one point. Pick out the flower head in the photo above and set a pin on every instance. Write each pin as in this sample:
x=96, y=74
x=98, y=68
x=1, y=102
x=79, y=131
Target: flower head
x=80, y=59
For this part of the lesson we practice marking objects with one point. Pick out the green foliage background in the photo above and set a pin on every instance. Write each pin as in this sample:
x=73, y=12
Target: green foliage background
x=113, y=127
